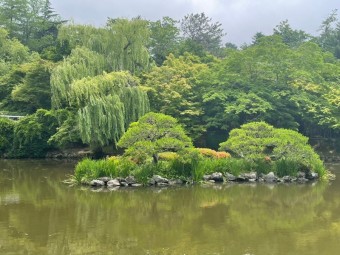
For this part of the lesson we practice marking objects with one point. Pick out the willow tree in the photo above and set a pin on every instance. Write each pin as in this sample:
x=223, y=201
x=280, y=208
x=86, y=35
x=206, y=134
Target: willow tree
x=81, y=63
x=106, y=104
x=122, y=42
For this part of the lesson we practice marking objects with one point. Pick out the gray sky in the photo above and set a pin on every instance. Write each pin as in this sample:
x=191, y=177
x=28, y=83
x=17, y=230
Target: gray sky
x=241, y=19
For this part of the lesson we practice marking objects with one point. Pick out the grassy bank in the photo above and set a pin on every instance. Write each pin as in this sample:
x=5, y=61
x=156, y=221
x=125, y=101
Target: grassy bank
x=190, y=166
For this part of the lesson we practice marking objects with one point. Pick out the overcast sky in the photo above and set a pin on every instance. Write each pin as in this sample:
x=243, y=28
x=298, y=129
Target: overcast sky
x=241, y=19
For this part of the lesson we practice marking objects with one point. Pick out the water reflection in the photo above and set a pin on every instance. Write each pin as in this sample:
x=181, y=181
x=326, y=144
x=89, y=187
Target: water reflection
x=40, y=215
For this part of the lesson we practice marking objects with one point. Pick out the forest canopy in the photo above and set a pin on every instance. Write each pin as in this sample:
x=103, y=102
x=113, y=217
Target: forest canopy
x=86, y=84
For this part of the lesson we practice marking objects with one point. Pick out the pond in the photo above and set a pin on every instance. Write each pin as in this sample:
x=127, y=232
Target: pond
x=41, y=215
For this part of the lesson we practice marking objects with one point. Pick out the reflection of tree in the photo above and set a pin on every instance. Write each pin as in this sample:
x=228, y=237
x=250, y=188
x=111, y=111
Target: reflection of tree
x=55, y=219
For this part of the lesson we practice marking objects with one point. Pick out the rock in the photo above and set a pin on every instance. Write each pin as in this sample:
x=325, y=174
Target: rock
x=312, y=176
x=270, y=177
x=287, y=179
x=124, y=183
x=217, y=177
x=130, y=180
x=241, y=178
x=206, y=177
x=250, y=176
x=97, y=183
x=162, y=184
x=113, y=183
x=104, y=179
x=230, y=177
x=300, y=174
x=159, y=179
x=152, y=182
x=176, y=182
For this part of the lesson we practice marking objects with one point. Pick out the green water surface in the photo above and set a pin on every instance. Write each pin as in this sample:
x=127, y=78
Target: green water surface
x=41, y=215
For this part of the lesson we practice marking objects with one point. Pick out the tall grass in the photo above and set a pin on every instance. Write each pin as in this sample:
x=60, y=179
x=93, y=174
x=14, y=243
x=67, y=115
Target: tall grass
x=285, y=167
x=189, y=167
x=88, y=169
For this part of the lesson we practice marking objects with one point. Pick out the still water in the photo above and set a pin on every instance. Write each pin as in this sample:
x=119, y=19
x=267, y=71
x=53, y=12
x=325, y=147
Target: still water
x=41, y=215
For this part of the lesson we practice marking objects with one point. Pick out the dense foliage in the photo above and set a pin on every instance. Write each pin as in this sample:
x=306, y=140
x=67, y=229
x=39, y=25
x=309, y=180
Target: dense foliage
x=256, y=147
x=258, y=141
x=95, y=81
x=152, y=134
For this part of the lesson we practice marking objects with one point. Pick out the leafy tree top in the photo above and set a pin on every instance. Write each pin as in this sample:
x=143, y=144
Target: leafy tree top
x=159, y=131
x=200, y=30
x=256, y=140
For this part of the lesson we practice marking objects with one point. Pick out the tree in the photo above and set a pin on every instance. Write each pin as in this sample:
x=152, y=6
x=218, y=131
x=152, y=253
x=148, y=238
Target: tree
x=293, y=38
x=32, y=133
x=6, y=135
x=152, y=134
x=257, y=140
x=81, y=63
x=199, y=30
x=329, y=38
x=32, y=22
x=12, y=52
x=164, y=39
x=34, y=92
x=12, y=15
x=122, y=43
x=105, y=104
x=173, y=90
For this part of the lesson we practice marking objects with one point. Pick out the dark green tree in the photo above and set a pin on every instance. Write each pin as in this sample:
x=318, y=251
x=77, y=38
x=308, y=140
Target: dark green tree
x=199, y=31
x=164, y=39
x=291, y=37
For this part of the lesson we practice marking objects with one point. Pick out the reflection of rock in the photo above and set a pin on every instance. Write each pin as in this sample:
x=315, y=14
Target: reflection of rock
x=10, y=199
x=301, y=180
x=136, y=185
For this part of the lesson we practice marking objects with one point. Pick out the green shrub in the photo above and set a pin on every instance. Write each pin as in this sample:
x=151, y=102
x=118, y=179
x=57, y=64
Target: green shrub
x=257, y=140
x=6, y=135
x=32, y=133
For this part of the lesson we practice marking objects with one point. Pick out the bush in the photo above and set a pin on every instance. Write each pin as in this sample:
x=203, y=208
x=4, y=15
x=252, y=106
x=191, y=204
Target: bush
x=32, y=133
x=208, y=152
x=167, y=156
x=258, y=140
x=6, y=135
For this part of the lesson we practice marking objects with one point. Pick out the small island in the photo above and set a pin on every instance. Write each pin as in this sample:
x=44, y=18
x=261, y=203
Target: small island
x=159, y=153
